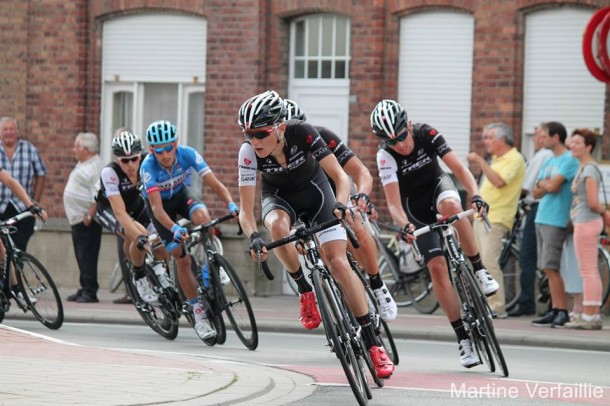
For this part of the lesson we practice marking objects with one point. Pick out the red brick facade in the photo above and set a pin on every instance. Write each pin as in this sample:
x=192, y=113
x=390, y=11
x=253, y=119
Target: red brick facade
x=51, y=67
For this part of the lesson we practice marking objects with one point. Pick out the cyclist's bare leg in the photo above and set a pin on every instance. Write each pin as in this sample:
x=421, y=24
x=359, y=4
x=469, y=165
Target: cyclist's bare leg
x=278, y=224
x=449, y=207
x=557, y=288
x=334, y=256
x=366, y=255
x=136, y=256
x=185, y=276
x=443, y=289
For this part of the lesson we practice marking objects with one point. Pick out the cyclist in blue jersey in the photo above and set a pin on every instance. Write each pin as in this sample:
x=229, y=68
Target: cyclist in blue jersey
x=363, y=182
x=292, y=158
x=163, y=174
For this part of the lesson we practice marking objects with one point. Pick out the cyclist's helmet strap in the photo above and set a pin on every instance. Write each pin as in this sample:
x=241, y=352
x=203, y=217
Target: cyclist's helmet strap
x=126, y=144
x=161, y=132
x=262, y=110
x=293, y=111
x=388, y=118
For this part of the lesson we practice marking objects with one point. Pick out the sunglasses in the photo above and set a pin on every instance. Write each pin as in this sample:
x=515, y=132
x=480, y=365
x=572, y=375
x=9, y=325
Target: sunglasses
x=129, y=159
x=167, y=148
x=398, y=139
x=260, y=135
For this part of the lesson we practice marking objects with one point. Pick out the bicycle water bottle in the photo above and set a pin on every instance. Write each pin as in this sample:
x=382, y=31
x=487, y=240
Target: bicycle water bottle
x=205, y=275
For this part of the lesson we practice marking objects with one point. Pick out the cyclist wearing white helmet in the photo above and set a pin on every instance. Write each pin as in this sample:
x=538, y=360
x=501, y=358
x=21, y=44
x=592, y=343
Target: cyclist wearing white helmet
x=292, y=159
x=363, y=181
x=164, y=172
x=416, y=190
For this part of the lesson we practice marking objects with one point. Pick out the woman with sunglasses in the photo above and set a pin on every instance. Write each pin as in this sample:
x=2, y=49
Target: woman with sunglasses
x=416, y=190
x=121, y=208
x=292, y=159
x=164, y=173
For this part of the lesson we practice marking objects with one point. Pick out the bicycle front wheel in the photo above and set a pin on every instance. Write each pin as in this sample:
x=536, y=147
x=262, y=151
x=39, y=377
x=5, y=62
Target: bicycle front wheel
x=340, y=342
x=39, y=290
x=234, y=300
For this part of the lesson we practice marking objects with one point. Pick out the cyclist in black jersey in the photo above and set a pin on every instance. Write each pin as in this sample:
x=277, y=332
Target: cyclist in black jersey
x=121, y=208
x=361, y=177
x=416, y=190
x=290, y=156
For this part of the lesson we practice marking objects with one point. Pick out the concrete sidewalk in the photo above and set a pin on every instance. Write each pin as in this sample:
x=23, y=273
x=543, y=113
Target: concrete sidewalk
x=43, y=371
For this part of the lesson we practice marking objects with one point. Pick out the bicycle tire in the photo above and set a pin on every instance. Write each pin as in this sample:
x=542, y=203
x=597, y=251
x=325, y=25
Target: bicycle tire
x=396, y=285
x=208, y=301
x=511, y=273
x=603, y=265
x=116, y=277
x=162, y=317
x=36, y=283
x=340, y=344
x=419, y=286
x=485, y=318
x=234, y=301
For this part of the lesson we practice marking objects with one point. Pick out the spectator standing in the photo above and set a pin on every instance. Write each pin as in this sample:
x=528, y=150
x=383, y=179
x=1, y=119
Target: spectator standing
x=80, y=209
x=501, y=188
x=526, y=303
x=23, y=162
x=553, y=188
x=586, y=214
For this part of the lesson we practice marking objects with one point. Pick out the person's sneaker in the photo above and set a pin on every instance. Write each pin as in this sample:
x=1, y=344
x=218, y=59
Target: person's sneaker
x=384, y=367
x=385, y=303
x=545, y=321
x=310, y=318
x=145, y=291
x=74, y=296
x=203, y=327
x=488, y=285
x=560, y=319
x=224, y=277
x=581, y=324
x=468, y=358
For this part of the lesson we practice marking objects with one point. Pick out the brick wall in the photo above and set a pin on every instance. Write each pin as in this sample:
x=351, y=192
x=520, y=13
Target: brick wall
x=51, y=59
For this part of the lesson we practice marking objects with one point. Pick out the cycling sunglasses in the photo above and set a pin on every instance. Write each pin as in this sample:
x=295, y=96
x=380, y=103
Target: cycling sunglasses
x=260, y=135
x=127, y=160
x=167, y=148
x=398, y=139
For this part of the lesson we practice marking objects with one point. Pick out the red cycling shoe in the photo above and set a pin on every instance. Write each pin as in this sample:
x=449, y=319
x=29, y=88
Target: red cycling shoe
x=384, y=367
x=310, y=318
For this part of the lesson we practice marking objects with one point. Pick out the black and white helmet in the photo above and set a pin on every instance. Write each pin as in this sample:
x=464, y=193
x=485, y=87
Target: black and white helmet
x=293, y=111
x=388, y=118
x=126, y=144
x=261, y=110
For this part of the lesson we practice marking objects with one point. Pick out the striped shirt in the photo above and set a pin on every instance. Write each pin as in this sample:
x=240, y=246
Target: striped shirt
x=25, y=166
x=80, y=189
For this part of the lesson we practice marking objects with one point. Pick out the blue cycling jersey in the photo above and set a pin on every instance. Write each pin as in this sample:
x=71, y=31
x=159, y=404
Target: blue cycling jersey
x=155, y=178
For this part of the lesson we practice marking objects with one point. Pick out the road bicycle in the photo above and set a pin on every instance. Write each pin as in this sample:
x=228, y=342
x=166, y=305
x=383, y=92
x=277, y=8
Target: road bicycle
x=509, y=263
x=37, y=292
x=476, y=313
x=406, y=276
x=343, y=334
x=218, y=296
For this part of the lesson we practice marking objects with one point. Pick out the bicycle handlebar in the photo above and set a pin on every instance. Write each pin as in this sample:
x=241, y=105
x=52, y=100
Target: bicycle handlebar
x=444, y=221
x=13, y=220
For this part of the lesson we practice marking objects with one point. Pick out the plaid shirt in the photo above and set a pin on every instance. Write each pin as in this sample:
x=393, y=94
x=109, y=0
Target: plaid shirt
x=25, y=166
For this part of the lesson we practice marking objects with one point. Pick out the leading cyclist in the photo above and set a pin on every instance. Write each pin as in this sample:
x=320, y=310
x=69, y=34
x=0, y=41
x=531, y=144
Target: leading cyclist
x=416, y=190
x=164, y=172
x=290, y=156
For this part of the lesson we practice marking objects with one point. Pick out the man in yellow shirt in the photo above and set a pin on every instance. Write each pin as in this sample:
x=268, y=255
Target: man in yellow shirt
x=501, y=189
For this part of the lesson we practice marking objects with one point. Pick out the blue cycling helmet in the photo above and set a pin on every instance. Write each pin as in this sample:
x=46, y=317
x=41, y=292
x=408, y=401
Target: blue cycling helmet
x=293, y=111
x=161, y=132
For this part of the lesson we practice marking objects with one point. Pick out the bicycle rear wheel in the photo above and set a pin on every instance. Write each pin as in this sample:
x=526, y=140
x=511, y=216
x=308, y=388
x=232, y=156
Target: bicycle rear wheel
x=419, y=286
x=39, y=290
x=485, y=323
x=338, y=338
x=233, y=299
x=603, y=264
x=162, y=317
x=511, y=271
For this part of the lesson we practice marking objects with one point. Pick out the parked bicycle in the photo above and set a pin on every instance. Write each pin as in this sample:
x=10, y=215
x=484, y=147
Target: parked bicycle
x=476, y=313
x=406, y=276
x=509, y=263
x=36, y=292
x=343, y=334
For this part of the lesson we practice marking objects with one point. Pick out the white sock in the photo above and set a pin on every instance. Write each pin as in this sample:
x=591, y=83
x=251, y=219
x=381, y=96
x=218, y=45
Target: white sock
x=592, y=317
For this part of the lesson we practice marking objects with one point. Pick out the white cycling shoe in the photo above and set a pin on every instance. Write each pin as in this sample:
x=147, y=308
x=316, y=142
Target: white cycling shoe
x=145, y=291
x=385, y=304
x=224, y=277
x=468, y=358
x=203, y=327
x=488, y=285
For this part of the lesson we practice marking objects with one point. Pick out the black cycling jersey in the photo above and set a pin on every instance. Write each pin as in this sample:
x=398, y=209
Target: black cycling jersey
x=114, y=181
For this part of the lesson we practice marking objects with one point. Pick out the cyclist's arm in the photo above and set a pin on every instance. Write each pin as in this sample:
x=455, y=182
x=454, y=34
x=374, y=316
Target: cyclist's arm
x=360, y=175
x=331, y=166
x=246, y=214
x=461, y=173
x=221, y=190
x=120, y=212
x=393, y=199
x=156, y=205
x=15, y=187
